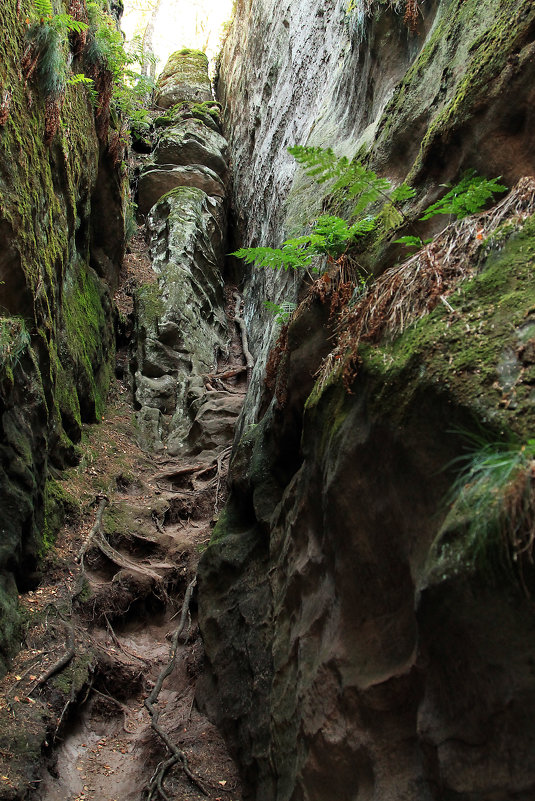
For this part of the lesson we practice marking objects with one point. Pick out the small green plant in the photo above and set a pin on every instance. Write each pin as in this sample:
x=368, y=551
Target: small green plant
x=125, y=88
x=281, y=311
x=14, y=340
x=43, y=14
x=352, y=180
x=80, y=79
x=331, y=236
x=412, y=241
x=469, y=196
x=493, y=497
x=46, y=56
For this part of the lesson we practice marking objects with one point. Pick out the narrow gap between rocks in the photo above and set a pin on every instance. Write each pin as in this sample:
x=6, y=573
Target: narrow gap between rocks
x=113, y=651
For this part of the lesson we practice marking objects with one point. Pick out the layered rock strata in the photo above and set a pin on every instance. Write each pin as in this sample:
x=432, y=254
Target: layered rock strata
x=182, y=327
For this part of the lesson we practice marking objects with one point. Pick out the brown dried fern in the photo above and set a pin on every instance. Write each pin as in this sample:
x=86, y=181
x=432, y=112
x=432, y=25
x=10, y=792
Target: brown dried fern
x=409, y=291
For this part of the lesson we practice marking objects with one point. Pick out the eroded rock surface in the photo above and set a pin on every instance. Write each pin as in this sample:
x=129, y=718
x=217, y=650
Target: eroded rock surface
x=185, y=77
x=183, y=330
x=375, y=658
x=182, y=327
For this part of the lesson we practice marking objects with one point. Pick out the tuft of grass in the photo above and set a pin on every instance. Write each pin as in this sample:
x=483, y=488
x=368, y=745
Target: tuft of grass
x=494, y=497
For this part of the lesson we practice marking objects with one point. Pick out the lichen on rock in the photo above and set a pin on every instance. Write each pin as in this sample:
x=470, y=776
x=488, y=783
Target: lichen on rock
x=184, y=77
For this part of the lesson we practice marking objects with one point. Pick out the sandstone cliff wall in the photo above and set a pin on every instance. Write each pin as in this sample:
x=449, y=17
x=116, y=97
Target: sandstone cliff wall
x=62, y=237
x=358, y=648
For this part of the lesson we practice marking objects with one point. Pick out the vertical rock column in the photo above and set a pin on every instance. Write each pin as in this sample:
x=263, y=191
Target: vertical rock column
x=182, y=326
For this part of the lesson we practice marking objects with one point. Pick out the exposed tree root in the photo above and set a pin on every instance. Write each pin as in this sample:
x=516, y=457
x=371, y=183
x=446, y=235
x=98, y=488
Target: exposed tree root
x=177, y=756
x=119, y=644
x=121, y=561
x=95, y=529
x=124, y=709
x=197, y=471
x=176, y=475
x=220, y=459
x=59, y=664
x=217, y=380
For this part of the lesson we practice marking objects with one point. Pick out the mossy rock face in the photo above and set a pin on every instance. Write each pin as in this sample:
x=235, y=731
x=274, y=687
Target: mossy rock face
x=477, y=355
x=185, y=77
x=61, y=207
x=208, y=113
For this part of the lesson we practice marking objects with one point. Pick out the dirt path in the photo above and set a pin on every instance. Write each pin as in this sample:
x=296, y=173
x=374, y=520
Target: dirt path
x=109, y=605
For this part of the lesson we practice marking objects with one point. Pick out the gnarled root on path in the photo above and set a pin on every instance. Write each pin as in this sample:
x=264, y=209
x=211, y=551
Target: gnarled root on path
x=177, y=756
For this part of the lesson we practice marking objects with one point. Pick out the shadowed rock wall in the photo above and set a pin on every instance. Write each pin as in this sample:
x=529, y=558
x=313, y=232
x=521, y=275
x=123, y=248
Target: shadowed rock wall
x=62, y=239
x=357, y=648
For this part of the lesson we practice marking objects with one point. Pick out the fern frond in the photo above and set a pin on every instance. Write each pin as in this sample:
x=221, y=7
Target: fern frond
x=467, y=197
x=276, y=258
x=401, y=193
x=43, y=8
x=351, y=178
x=321, y=164
x=64, y=22
x=79, y=77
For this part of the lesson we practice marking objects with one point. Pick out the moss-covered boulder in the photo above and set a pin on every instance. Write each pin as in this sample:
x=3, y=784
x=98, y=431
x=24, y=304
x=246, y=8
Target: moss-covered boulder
x=184, y=77
x=192, y=142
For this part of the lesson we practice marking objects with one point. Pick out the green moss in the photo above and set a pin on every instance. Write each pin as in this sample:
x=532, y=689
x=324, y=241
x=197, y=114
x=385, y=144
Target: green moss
x=466, y=55
x=149, y=303
x=58, y=504
x=186, y=51
x=223, y=527
x=188, y=66
x=86, y=325
x=75, y=676
x=471, y=353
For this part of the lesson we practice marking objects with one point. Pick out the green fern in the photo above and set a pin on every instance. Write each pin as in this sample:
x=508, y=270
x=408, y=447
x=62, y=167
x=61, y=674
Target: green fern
x=290, y=255
x=331, y=236
x=43, y=8
x=80, y=79
x=47, y=38
x=105, y=42
x=64, y=22
x=412, y=241
x=281, y=311
x=351, y=179
x=43, y=14
x=469, y=196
